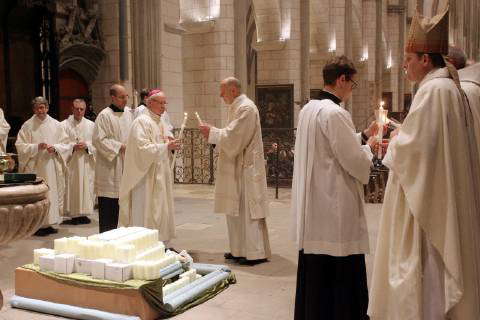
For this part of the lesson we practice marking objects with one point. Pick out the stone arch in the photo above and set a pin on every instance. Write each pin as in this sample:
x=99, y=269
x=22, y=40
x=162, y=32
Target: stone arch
x=84, y=59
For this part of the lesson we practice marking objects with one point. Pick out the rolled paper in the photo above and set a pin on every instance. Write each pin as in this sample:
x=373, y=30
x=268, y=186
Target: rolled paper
x=37, y=253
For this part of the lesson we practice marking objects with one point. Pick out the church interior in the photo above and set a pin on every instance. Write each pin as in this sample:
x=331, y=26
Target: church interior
x=69, y=49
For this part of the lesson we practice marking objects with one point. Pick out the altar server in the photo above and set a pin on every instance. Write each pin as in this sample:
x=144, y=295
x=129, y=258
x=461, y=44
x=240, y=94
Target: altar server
x=42, y=147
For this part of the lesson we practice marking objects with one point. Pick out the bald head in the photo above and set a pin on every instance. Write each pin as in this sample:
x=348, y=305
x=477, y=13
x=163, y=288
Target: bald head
x=230, y=89
x=119, y=95
x=457, y=57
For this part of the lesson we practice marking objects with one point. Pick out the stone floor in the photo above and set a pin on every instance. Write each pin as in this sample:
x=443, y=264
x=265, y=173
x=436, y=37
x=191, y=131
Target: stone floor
x=262, y=292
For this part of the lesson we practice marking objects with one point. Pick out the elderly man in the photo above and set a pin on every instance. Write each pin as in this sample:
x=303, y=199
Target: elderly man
x=241, y=186
x=109, y=138
x=4, y=129
x=80, y=197
x=142, y=108
x=146, y=190
x=331, y=166
x=427, y=258
x=42, y=147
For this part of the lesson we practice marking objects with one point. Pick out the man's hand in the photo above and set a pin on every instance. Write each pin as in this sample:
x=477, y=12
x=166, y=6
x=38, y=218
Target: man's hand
x=394, y=133
x=170, y=138
x=51, y=149
x=205, y=129
x=123, y=148
x=373, y=144
x=80, y=146
x=42, y=146
x=173, y=145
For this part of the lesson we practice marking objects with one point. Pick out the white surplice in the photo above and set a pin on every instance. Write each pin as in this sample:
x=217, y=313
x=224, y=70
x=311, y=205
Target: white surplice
x=109, y=133
x=241, y=186
x=146, y=190
x=80, y=197
x=49, y=166
x=4, y=129
x=330, y=169
x=427, y=257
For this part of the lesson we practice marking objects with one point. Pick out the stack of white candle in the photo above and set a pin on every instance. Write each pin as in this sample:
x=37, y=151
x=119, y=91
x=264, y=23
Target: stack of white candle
x=184, y=279
x=149, y=270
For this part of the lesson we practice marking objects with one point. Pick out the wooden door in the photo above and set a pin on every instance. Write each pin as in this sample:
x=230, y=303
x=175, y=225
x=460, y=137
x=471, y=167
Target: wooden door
x=71, y=87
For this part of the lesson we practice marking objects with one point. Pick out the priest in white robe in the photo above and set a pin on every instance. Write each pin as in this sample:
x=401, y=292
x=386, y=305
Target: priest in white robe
x=80, y=197
x=109, y=139
x=4, y=129
x=42, y=147
x=427, y=258
x=329, y=225
x=142, y=108
x=241, y=185
x=146, y=189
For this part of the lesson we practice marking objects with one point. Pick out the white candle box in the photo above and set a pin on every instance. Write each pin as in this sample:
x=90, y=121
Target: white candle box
x=37, y=253
x=98, y=268
x=118, y=272
x=47, y=263
x=83, y=266
x=64, y=263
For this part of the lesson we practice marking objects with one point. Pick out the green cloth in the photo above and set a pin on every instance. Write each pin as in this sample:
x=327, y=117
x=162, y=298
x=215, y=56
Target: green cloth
x=150, y=290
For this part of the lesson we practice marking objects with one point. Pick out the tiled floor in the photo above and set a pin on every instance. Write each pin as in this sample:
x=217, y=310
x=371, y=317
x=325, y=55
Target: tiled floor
x=262, y=292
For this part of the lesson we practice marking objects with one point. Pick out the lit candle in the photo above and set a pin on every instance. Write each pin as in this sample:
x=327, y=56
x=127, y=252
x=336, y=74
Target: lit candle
x=200, y=122
x=180, y=136
x=381, y=115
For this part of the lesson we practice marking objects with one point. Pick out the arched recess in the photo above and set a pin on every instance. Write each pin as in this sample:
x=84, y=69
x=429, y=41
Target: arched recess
x=85, y=59
x=72, y=86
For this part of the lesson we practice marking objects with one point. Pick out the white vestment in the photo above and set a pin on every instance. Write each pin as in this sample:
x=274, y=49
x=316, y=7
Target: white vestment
x=80, y=197
x=240, y=186
x=167, y=125
x=146, y=190
x=427, y=258
x=330, y=169
x=49, y=166
x=4, y=129
x=470, y=82
x=109, y=134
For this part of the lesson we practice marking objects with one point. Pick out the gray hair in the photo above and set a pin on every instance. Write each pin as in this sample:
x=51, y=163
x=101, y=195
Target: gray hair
x=39, y=100
x=232, y=82
x=457, y=57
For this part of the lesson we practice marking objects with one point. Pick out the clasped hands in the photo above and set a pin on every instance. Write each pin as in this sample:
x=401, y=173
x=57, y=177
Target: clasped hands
x=45, y=146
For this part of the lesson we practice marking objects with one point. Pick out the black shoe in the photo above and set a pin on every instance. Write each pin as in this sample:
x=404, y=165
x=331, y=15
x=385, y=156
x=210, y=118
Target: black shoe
x=229, y=256
x=42, y=232
x=51, y=230
x=246, y=262
x=70, y=222
x=82, y=220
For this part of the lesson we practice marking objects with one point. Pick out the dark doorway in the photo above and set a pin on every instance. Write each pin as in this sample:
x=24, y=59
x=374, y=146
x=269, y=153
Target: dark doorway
x=71, y=87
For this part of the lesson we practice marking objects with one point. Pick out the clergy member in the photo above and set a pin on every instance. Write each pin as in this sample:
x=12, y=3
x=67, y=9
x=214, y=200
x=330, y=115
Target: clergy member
x=331, y=166
x=42, y=147
x=142, y=108
x=80, y=198
x=146, y=190
x=241, y=186
x=109, y=138
x=4, y=129
x=427, y=258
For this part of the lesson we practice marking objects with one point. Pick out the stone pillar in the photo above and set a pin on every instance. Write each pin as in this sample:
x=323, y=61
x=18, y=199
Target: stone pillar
x=147, y=42
x=241, y=9
x=304, y=51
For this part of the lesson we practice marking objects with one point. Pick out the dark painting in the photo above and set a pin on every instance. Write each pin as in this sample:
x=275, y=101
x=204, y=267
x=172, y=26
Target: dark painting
x=275, y=104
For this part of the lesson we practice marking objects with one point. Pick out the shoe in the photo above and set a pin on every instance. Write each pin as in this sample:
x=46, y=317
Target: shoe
x=42, y=232
x=70, y=222
x=82, y=220
x=229, y=256
x=246, y=262
x=51, y=230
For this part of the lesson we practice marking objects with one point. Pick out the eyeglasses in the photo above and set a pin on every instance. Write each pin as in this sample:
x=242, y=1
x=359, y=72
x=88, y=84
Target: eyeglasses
x=354, y=84
x=161, y=102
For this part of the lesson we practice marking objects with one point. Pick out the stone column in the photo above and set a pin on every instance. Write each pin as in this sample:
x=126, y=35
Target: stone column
x=304, y=51
x=147, y=29
x=240, y=25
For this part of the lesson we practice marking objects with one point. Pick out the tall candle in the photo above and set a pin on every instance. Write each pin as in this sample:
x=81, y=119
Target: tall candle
x=180, y=136
x=200, y=122
x=381, y=116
